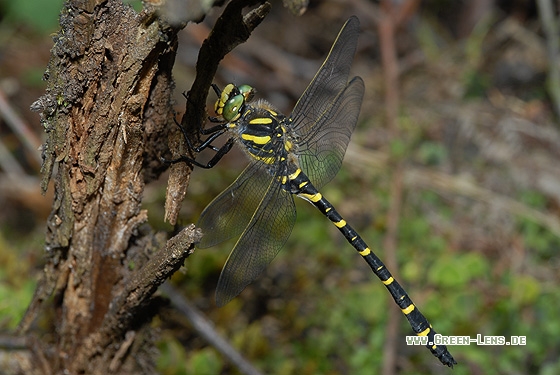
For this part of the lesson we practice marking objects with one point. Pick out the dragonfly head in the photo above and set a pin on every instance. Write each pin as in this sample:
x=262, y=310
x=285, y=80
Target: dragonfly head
x=231, y=101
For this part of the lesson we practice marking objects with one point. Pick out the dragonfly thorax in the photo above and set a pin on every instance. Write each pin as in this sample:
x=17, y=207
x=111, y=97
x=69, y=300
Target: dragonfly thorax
x=259, y=130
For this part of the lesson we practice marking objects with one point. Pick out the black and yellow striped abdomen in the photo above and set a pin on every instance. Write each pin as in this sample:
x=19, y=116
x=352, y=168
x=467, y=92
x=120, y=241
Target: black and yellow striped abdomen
x=302, y=187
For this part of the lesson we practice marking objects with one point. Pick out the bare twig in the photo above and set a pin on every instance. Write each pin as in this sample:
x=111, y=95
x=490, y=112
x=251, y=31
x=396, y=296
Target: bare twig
x=550, y=27
x=392, y=15
x=8, y=163
x=206, y=330
x=145, y=282
x=25, y=190
x=230, y=30
x=11, y=342
x=20, y=128
x=386, y=27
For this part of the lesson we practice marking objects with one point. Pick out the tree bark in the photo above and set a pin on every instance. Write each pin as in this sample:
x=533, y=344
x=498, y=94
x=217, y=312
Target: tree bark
x=106, y=112
x=108, y=116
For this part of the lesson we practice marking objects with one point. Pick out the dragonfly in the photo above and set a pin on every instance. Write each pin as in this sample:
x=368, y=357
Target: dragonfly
x=290, y=156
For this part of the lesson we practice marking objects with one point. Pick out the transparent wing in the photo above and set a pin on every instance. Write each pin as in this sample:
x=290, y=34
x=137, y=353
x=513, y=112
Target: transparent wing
x=331, y=78
x=230, y=212
x=322, y=149
x=262, y=239
x=313, y=118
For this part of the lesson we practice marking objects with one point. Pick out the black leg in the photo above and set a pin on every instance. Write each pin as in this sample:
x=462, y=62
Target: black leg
x=207, y=142
x=214, y=129
x=217, y=90
x=213, y=133
x=219, y=155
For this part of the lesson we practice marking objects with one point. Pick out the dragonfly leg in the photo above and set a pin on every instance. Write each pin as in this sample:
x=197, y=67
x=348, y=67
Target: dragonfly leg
x=220, y=152
x=213, y=133
x=217, y=90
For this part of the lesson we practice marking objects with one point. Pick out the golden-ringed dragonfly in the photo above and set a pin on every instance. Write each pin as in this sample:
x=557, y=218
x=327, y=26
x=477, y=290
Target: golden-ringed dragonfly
x=289, y=156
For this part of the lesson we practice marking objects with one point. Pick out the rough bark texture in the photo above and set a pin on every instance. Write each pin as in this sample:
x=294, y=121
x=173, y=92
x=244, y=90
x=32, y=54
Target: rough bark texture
x=106, y=113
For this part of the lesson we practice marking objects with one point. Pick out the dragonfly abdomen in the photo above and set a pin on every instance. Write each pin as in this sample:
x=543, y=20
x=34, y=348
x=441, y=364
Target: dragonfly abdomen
x=303, y=188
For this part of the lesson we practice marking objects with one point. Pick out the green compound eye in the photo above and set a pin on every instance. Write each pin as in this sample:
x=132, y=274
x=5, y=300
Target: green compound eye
x=247, y=91
x=232, y=108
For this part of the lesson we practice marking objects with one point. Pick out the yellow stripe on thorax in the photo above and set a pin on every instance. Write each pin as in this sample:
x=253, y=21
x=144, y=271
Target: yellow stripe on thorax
x=260, y=140
x=260, y=121
x=294, y=175
x=266, y=160
x=288, y=146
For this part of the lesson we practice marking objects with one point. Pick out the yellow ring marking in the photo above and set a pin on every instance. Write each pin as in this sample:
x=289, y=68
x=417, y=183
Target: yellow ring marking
x=340, y=224
x=388, y=281
x=365, y=252
x=424, y=332
x=409, y=309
